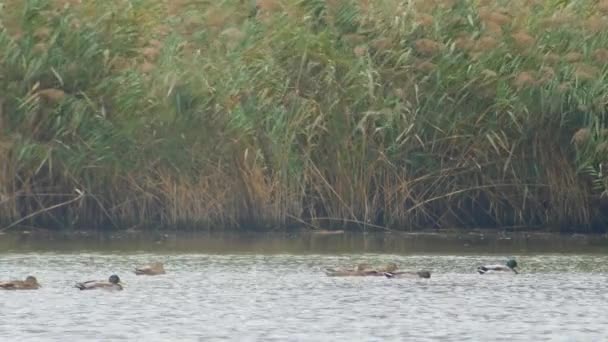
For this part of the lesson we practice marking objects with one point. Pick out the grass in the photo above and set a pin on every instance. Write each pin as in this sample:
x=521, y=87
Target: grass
x=212, y=114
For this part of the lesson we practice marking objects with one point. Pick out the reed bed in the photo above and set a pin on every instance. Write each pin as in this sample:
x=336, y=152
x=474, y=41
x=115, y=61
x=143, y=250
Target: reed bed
x=259, y=114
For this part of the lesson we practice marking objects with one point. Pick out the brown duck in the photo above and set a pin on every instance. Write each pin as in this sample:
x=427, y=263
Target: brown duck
x=30, y=283
x=154, y=268
x=403, y=274
x=362, y=270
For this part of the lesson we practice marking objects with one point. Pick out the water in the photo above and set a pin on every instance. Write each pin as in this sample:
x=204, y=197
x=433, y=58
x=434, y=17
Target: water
x=275, y=296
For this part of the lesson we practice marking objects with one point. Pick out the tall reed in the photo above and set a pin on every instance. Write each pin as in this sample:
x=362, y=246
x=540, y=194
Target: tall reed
x=361, y=113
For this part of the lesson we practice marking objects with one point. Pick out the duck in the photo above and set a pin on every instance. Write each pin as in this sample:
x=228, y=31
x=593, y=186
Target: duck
x=419, y=274
x=361, y=270
x=154, y=268
x=351, y=273
x=390, y=267
x=113, y=283
x=509, y=267
x=30, y=283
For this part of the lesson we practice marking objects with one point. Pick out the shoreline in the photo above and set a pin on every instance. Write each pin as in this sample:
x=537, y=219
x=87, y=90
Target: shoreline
x=304, y=241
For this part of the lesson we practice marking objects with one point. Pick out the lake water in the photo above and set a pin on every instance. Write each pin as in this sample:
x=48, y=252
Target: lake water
x=282, y=293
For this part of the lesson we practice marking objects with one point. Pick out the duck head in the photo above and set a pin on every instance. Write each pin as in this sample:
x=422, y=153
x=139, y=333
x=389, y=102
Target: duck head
x=511, y=263
x=114, y=279
x=31, y=280
x=424, y=274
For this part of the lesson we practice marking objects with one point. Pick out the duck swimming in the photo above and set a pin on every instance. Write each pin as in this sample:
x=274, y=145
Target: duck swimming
x=361, y=270
x=508, y=267
x=390, y=267
x=113, y=283
x=30, y=283
x=418, y=274
x=351, y=273
x=154, y=268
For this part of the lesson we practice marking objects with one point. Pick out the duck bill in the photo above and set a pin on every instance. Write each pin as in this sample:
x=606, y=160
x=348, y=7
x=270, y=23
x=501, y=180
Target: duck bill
x=514, y=270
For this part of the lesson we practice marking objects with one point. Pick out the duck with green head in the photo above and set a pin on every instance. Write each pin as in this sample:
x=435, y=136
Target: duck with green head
x=113, y=283
x=508, y=267
x=30, y=283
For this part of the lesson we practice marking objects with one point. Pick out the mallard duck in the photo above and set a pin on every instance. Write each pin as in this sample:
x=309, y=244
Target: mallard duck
x=113, y=283
x=30, y=283
x=154, y=268
x=508, y=267
x=419, y=274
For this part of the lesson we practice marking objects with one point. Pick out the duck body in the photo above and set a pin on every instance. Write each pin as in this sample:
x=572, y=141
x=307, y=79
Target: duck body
x=362, y=270
x=509, y=267
x=351, y=273
x=30, y=283
x=113, y=283
x=403, y=274
x=155, y=268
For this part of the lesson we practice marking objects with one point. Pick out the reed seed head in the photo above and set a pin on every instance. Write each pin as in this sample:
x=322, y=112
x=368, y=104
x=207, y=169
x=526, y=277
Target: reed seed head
x=427, y=46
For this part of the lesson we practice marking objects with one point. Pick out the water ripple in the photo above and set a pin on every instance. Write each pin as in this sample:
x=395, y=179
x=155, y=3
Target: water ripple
x=288, y=297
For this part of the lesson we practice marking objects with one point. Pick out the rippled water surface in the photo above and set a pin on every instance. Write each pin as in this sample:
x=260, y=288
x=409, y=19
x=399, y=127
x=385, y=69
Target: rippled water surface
x=284, y=297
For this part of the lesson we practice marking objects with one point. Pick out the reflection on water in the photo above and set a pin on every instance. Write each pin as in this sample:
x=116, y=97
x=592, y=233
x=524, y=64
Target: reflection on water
x=205, y=297
x=306, y=242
